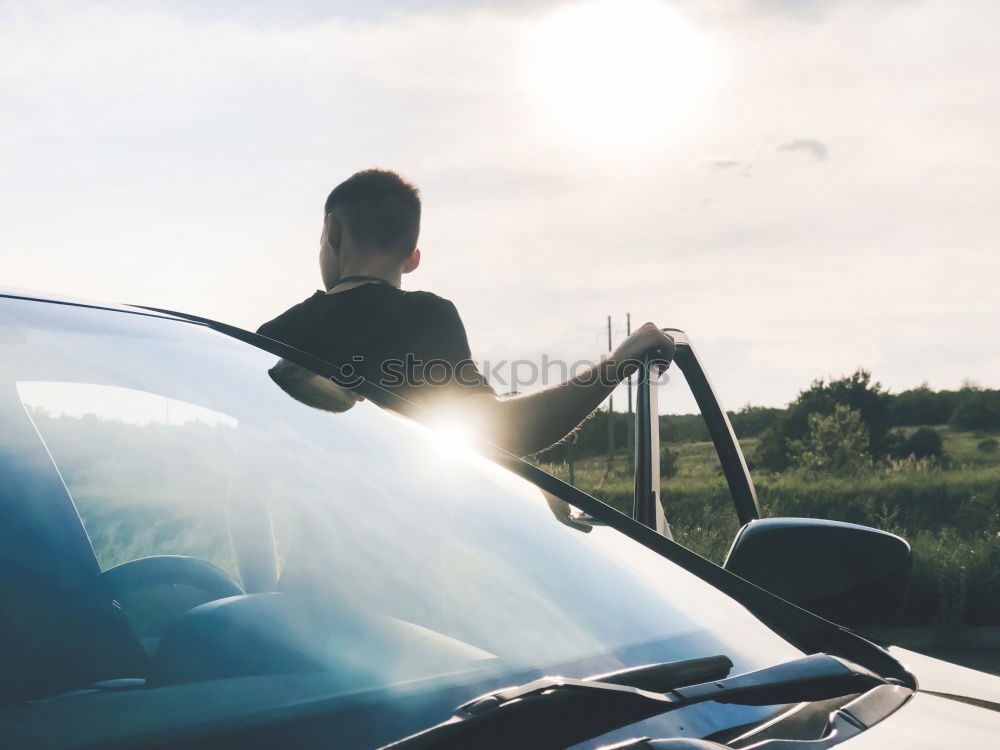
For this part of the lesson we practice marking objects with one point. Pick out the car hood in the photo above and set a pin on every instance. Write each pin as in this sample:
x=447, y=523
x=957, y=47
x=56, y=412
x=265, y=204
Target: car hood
x=950, y=680
x=930, y=722
x=954, y=707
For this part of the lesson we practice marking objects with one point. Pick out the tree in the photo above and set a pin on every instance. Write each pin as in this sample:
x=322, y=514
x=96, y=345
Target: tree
x=856, y=391
x=836, y=443
x=977, y=409
x=750, y=421
x=922, y=406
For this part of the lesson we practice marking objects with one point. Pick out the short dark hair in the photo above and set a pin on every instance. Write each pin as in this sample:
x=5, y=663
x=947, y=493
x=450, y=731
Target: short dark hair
x=380, y=208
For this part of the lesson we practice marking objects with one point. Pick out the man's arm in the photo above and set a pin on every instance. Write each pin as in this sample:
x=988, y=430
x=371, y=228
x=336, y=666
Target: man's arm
x=529, y=424
x=312, y=389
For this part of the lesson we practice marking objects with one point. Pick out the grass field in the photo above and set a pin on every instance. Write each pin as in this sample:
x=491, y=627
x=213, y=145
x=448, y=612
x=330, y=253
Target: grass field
x=948, y=510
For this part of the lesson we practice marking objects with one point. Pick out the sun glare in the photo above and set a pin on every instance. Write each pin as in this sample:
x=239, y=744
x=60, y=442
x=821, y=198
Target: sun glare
x=451, y=441
x=620, y=70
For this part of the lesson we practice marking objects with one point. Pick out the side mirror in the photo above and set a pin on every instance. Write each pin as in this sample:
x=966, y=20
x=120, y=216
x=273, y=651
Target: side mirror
x=851, y=575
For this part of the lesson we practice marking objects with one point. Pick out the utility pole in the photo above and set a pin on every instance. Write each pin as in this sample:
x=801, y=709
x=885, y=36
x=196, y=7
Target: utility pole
x=611, y=414
x=569, y=453
x=630, y=424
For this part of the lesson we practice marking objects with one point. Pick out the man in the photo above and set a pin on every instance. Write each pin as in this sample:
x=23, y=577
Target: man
x=413, y=344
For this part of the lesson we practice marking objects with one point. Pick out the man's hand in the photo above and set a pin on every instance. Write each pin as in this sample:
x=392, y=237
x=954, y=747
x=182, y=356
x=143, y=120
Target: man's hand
x=531, y=423
x=647, y=338
x=563, y=512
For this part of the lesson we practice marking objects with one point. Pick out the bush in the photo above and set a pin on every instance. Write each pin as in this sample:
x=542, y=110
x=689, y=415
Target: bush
x=772, y=447
x=989, y=445
x=955, y=579
x=836, y=444
x=668, y=461
x=925, y=442
x=895, y=444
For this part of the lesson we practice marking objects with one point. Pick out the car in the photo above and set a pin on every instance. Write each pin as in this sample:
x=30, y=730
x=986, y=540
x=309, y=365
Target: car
x=199, y=549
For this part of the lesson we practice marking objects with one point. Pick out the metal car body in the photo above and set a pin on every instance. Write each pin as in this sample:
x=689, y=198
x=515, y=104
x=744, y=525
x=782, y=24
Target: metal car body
x=191, y=555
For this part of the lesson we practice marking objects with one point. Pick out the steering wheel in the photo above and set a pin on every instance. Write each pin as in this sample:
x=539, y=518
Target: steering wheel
x=117, y=582
x=160, y=569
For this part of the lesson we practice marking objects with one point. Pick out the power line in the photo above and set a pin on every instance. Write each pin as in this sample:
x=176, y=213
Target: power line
x=611, y=413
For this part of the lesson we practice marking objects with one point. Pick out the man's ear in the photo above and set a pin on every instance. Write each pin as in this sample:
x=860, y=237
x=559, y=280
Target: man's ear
x=412, y=261
x=333, y=231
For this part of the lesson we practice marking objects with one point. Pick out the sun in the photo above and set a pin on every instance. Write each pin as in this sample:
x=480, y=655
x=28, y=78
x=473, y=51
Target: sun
x=620, y=70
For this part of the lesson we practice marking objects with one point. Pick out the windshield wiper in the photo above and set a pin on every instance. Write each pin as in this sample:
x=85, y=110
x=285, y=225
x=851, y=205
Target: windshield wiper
x=555, y=711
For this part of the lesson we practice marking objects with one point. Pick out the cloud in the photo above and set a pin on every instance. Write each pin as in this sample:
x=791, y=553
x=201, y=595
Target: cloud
x=240, y=122
x=723, y=164
x=818, y=149
x=715, y=164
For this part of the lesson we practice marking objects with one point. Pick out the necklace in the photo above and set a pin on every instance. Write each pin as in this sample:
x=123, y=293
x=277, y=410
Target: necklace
x=371, y=279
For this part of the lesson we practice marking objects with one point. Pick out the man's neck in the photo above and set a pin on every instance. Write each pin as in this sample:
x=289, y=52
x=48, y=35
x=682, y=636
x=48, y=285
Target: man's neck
x=361, y=276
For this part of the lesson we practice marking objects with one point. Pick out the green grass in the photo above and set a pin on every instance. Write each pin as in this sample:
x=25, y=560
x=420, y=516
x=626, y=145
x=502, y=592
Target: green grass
x=948, y=511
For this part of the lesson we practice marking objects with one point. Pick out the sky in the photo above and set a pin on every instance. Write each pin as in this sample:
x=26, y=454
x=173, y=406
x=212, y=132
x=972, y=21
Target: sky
x=805, y=187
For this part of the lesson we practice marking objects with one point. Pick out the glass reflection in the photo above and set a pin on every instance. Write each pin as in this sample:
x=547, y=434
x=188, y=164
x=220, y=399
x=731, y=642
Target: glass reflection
x=369, y=548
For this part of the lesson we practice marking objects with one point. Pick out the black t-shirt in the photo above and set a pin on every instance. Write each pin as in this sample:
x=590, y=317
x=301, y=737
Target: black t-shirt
x=410, y=343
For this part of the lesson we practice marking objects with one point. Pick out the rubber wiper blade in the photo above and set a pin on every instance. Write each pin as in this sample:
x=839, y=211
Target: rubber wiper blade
x=657, y=678
x=669, y=674
x=556, y=711
x=810, y=678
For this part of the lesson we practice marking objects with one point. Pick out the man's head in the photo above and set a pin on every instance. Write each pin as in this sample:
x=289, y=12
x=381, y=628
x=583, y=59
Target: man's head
x=371, y=225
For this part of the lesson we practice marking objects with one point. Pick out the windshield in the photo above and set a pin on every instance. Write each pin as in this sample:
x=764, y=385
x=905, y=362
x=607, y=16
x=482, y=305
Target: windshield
x=364, y=550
